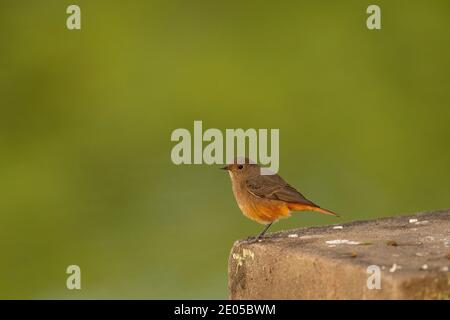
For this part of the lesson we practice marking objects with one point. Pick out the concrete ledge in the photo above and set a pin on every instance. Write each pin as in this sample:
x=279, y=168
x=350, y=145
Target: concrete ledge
x=412, y=253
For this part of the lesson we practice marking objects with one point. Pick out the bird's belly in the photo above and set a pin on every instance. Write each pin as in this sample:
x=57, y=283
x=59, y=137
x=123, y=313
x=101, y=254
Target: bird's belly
x=263, y=210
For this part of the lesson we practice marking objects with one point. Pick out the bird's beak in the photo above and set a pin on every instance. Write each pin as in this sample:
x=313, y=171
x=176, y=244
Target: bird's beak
x=225, y=168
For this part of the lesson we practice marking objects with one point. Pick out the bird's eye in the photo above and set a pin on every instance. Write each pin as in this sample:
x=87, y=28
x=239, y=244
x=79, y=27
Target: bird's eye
x=240, y=166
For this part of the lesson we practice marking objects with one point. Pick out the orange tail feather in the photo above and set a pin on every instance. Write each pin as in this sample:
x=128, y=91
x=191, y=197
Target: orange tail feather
x=304, y=207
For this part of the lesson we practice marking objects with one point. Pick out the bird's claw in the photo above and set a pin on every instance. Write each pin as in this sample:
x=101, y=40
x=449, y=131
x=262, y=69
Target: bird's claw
x=253, y=239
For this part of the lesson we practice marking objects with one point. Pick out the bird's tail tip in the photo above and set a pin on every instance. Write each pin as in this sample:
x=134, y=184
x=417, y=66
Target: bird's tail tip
x=326, y=211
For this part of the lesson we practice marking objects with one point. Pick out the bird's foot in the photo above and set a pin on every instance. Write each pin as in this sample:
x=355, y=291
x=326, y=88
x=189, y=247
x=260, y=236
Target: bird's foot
x=250, y=240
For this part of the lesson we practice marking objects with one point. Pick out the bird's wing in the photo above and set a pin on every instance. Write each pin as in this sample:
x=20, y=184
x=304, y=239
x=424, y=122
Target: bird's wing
x=275, y=188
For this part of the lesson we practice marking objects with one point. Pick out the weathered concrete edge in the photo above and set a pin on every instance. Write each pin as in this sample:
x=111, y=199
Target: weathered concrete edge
x=354, y=223
x=433, y=285
x=427, y=286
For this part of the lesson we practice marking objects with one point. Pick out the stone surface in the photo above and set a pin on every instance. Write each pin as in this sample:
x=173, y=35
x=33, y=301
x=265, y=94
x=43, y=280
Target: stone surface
x=412, y=252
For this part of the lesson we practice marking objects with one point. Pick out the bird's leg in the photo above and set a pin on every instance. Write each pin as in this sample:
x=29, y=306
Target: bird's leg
x=259, y=236
x=264, y=231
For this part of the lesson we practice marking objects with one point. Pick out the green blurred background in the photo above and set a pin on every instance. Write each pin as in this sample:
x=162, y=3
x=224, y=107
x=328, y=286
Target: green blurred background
x=86, y=117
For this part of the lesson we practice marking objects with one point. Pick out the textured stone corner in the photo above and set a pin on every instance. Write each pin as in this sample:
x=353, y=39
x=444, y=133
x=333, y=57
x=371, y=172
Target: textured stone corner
x=412, y=254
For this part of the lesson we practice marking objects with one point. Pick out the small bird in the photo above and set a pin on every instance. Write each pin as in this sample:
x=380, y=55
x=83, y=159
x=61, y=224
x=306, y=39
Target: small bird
x=266, y=198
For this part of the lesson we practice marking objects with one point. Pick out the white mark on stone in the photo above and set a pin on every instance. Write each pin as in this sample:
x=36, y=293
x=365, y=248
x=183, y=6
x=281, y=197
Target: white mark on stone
x=394, y=268
x=293, y=235
x=424, y=267
x=338, y=227
x=343, y=241
x=421, y=222
x=444, y=269
x=413, y=220
x=420, y=254
x=314, y=236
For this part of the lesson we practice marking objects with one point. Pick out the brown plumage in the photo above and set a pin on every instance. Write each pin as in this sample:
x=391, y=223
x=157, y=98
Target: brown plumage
x=266, y=198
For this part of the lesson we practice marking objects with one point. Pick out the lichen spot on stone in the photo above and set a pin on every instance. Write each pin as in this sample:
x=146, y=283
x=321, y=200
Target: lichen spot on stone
x=241, y=258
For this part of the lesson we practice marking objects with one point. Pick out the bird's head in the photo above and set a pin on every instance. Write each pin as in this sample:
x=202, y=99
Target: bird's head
x=242, y=167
